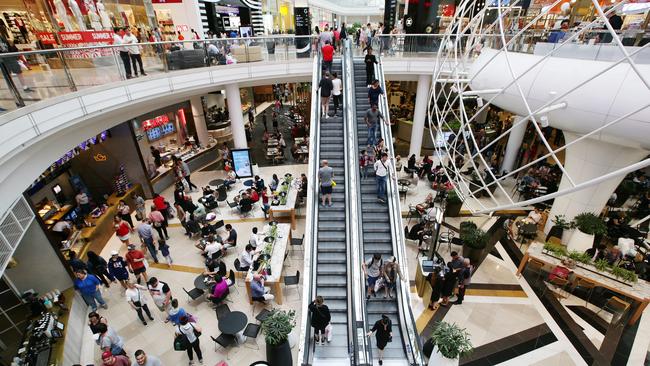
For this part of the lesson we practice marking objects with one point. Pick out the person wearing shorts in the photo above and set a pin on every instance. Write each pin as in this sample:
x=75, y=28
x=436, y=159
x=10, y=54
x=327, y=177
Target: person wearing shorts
x=326, y=178
x=325, y=87
x=372, y=270
x=122, y=229
x=135, y=260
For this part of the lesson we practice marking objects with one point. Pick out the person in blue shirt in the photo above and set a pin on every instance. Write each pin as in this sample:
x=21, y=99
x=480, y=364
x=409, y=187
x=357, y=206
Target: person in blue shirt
x=88, y=287
x=118, y=268
x=175, y=313
x=258, y=292
x=374, y=92
x=557, y=35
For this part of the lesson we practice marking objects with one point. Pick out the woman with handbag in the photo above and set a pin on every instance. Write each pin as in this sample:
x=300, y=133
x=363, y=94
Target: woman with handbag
x=137, y=299
x=158, y=222
x=191, y=332
x=320, y=318
x=383, y=330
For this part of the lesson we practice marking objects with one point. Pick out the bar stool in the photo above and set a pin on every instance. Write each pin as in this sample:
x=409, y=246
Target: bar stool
x=585, y=285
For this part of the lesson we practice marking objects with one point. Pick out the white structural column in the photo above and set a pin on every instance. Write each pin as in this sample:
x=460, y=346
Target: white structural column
x=585, y=160
x=199, y=121
x=419, y=114
x=233, y=99
x=515, y=138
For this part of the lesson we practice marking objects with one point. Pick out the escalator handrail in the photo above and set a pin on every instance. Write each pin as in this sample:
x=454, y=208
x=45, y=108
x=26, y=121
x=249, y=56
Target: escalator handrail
x=357, y=329
x=305, y=353
x=410, y=337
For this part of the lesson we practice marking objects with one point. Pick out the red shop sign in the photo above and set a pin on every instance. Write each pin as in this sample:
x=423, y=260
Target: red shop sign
x=165, y=1
x=155, y=122
x=46, y=37
x=86, y=37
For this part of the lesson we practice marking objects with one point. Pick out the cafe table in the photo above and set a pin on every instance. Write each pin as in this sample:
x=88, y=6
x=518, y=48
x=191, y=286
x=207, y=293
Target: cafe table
x=233, y=323
x=279, y=249
x=290, y=205
x=638, y=291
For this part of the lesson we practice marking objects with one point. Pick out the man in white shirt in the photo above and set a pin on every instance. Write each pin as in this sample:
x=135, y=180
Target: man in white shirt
x=382, y=169
x=336, y=92
x=246, y=258
x=255, y=239
x=134, y=52
x=124, y=54
x=212, y=248
x=534, y=216
x=138, y=300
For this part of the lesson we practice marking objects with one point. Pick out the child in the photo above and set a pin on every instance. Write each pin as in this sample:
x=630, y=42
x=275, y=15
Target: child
x=164, y=249
x=364, y=161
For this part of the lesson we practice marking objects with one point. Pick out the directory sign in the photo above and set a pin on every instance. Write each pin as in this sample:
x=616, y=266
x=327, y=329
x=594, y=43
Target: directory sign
x=241, y=159
x=303, y=28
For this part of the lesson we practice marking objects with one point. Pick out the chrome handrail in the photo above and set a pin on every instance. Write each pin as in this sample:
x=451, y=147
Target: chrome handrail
x=305, y=354
x=410, y=337
x=356, y=327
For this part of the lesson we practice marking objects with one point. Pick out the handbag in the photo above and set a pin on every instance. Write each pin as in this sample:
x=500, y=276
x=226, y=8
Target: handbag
x=181, y=343
x=157, y=224
x=333, y=183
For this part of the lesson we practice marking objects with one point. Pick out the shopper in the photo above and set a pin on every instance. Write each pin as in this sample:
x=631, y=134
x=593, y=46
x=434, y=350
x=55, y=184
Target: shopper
x=88, y=287
x=326, y=179
x=158, y=221
x=372, y=272
x=122, y=229
x=98, y=266
x=93, y=321
x=258, y=292
x=140, y=210
x=325, y=86
x=390, y=272
x=160, y=292
x=219, y=291
x=109, y=340
x=164, y=250
x=134, y=52
x=74, y=262
x=117, y=268
x=175, y=313
x=337, y=88
x=143, y=359
x=136, y=261
x=109, y=359
x=124, y=53
x=12, y=64
x=145, y=232
x=464, y=280
x=383, y=330
x=161, y=205
x=138, y=300
x=186, y=172
x=382, y=169
x=372, y=117
x=266, y=204
x=374, y=92
x=231, y=240
x=124, y=211
x=192, y=332
x=328, y=56
x=449, y=284
x=364, y=163
x=320, y=319
x=370, y=60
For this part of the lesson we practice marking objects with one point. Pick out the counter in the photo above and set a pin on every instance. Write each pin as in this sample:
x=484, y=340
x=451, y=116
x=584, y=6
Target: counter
x=404, y=128
x=200, y=159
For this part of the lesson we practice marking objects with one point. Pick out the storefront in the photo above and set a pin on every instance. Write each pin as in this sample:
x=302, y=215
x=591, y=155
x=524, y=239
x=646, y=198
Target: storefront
x=176, y=16
x=278, y=16
x=171, y=131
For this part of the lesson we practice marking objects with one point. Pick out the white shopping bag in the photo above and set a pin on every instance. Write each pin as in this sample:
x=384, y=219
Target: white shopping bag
x=328, y=332
x=379, y=284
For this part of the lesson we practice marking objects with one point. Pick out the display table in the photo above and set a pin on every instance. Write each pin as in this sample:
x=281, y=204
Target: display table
x=638, y=291
x=289, y=207
x=278, y=251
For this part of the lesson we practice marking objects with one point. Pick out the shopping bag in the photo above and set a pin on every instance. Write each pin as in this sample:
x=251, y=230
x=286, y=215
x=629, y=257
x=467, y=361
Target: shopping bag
x=379, y=284
x=328, y=332
x=181, y=343
x=333, y=184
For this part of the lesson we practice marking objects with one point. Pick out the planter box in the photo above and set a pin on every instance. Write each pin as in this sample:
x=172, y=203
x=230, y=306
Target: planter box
x=438, y=359
x=453, y=209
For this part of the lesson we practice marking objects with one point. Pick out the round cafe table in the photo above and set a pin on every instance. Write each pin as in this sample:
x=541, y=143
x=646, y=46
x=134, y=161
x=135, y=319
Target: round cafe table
x=248, y=183
x=199, y=282
x=217, y=182
x=233, y=323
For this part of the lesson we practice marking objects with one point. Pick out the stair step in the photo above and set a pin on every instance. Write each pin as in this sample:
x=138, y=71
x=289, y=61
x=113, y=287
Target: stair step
x=331, y=293
x=331, y=246
x=331, y=269
x=331, y=258
x=332, y=280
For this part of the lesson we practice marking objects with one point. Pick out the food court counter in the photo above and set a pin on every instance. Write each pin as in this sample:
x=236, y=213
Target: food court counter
x=195, y=161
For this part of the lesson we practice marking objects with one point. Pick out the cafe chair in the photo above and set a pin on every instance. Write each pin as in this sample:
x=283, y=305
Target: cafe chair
x=616, y=307
x=233, y=281
x=194, y=293
x=232, y=205
x=446, y=238
x=250, y=332
x=264, y=313
x=297, y=242
x=584, y=285
x=536, y=268
x=259, y=363
x=225, y=341
x=240, y=270
x=293, y=281
x=245, y=210
x=557, y=283
x=218, y=225
x=222, y=310
x=413, y=213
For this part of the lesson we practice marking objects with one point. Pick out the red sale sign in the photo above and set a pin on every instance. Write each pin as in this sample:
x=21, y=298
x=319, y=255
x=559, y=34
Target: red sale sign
x=86, y=37
x=46, y=37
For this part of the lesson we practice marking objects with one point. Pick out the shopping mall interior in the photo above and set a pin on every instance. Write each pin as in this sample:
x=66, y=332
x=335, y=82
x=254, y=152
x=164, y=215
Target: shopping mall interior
x=324, y=183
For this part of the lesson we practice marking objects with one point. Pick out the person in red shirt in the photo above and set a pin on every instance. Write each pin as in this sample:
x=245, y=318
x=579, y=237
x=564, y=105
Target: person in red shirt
x=265, y=201
x=109, y=359
x=254, y=195
x=122, y=229
x=337, y=38
x=328, y=56
x=135, y=260
x=161, y=204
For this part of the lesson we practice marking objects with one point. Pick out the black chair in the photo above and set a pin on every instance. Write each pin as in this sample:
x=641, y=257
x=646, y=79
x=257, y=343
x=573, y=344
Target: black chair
x=259, y=363
x=218, y=225
x=233, y=280
x=293, y=280
x=240, y=270
x=194, y=293
x=222, y=310
x=297, y=242
x=232, y=204
x=251, y=331
x=225, y=341
x=263, y=315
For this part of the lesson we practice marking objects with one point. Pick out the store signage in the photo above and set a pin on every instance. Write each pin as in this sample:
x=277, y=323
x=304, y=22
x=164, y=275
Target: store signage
x=155, y=122
x=166, y=1
x=46, y=37
x=226, y=10
x=182, y=28
x=99, y=157
x=86, y=37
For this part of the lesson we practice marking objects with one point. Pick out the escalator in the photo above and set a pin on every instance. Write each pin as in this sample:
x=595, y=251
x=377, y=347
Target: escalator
x=380, y=232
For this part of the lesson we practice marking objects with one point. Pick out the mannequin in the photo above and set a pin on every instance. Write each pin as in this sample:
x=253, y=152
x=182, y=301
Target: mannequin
x=103, y=16
x=62, y=14
x=74, y=8
x=92, y=15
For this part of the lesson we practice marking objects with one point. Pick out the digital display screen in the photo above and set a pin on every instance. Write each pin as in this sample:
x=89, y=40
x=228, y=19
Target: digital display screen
x=241, y=160
x=156, y=133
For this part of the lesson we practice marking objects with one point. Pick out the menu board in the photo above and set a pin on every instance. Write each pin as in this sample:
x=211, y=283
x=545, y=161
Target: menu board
x=302, y=22
x=158, y=132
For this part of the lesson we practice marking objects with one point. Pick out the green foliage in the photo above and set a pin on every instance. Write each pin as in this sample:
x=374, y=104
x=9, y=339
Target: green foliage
x=472, y=236
x=580, y=257
x=556, y=249
x=589, y=223
x=453, y=126
x=452, y=197
x=601, y=265
x=624, y=274
x=561, y=222
x=453, y=342
x=277, y=326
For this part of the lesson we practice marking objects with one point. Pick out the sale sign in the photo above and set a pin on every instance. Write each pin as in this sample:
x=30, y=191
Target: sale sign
x=46, y=37
x=77, y=38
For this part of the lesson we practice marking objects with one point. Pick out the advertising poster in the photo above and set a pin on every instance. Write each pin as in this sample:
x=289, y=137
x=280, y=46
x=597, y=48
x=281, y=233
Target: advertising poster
x=241, y=160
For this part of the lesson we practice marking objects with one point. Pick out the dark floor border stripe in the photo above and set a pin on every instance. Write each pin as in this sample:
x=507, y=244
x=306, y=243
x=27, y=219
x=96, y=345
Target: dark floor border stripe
x=590, y=317
x=437, y=316
x=496, y=286
x=510, y=347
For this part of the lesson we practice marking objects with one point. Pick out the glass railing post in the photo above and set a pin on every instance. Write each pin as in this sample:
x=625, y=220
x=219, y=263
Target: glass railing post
x=18, y=99
x=66, y=70
x=118, y=61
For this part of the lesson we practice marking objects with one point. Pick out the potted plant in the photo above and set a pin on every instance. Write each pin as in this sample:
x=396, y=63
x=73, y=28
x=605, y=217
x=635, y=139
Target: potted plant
x=450, y=344
x=474, y=242
x=560, y=228
x=276, y=328
x=587, y=225
x=453, y=205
